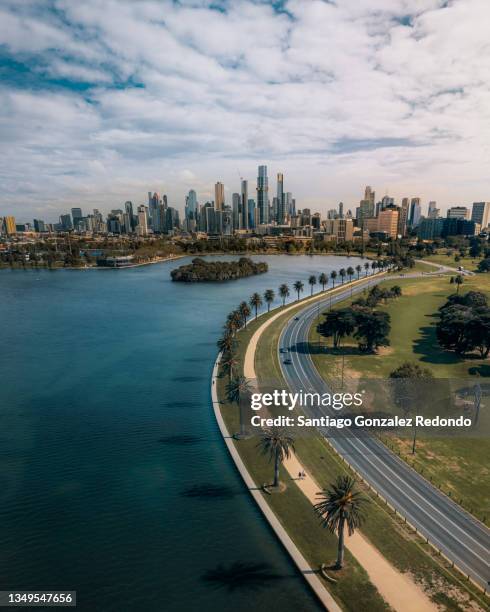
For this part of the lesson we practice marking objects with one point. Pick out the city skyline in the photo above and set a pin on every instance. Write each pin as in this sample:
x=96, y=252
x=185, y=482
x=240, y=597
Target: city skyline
x=102, y=103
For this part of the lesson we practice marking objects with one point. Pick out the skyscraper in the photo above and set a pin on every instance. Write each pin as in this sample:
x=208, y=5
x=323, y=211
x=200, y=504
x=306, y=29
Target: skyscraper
x=9, y=225
x=244, y=205
x=480, y=213
x=433, y=211
x=263, y=195
x=129, y=221
x=235, y=211
x=219, y=196
x=77, y=216
x=341, y=210
x=280, y=199
x=403, y=217
x=415, y=212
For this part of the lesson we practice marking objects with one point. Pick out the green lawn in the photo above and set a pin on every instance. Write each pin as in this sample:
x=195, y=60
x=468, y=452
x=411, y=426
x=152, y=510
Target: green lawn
x=459, y=466
x=469, y=263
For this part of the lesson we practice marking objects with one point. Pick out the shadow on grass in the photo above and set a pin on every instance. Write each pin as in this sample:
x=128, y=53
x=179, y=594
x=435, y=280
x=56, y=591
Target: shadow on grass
x=317, y=349
x=242, y=576
x=429, y=349
x=209, y=491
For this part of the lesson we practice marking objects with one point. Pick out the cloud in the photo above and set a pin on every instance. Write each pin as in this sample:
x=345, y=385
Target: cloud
x=103, y=102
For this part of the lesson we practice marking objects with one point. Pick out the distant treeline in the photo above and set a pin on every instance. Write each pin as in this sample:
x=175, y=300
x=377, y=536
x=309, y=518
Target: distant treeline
x=209, y=271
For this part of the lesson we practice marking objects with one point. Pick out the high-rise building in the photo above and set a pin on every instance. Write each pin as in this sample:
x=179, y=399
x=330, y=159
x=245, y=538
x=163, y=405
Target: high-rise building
x=244, y=205
x=415, y=212
x=219, y=196
x=480, y=213
x=39, y=226
x=77, y=216
x=129, y=222
x=341, y=210
x=142, y=220
x=263, y=195
x=290, y=204
x=191, y=205
x=433, y=211
x=403, y=217
x=252, y=219
x=280, y=212
x=9, y=224
x=388, y=221
x=65, y=222
x=235, y=211
x=458, y=212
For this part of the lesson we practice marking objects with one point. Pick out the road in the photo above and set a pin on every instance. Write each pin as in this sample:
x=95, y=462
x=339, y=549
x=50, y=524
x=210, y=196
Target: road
x=456, y=533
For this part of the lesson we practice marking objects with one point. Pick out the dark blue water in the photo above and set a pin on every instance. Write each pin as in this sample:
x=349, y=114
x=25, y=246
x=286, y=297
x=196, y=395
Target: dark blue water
x=108, y=442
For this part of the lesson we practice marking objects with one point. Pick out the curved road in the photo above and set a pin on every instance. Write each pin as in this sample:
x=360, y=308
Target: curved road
x=456, y=533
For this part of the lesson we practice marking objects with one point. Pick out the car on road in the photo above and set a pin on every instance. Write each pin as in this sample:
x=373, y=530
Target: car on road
x=287, y=361
x=283, y=350
x=296, y=318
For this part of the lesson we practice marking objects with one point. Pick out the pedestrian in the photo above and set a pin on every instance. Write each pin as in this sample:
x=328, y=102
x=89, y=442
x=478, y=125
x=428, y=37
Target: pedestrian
x=299, y=475
x=303, y=475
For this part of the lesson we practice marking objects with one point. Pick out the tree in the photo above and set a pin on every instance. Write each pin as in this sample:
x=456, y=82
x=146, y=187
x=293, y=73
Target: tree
x=338, y=324
x=278, y=444
x=374, y=265
x=366, y=268
x=350, y=273
x=227, y=343
x=484, y=265
x=244, y=311
x=284, y=292
x=341, y=505
x=229, y=362
x=256, y=302
x=269, y=298
x=323, y=280
x=236, y=389
x=342, y=274
x=459, y=281
x=373, y=328
x=396, y=291
x=358, y=270
x=298, y=287
x=410, y=389
x=333, y=276
x=312, y=282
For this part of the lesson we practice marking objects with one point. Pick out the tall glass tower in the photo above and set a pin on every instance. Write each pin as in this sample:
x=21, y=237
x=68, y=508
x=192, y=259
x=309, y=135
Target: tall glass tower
x=263, y=195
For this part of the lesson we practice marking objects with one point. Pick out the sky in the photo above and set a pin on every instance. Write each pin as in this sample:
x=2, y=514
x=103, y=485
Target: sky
x=101, y=102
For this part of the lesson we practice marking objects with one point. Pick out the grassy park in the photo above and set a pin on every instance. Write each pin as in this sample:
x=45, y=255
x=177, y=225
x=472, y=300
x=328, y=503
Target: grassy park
x=459, y=466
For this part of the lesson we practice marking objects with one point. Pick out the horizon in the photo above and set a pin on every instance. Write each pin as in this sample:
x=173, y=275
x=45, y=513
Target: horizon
x=100, y=102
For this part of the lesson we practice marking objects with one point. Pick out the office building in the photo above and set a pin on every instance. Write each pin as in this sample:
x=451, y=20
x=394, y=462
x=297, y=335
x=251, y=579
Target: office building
x=263, y=195
x=480, y=213
x=433, y=212
x=415, y=212
x=458, y=212
x=244, y=205
x=280, y=212
x=219, y=196
x=388, y=221
x=9, y=225
x=77, y=216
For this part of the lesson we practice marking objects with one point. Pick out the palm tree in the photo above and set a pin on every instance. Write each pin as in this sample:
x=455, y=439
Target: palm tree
x=235, y=390
x=227, y=343
x=298, y=287
x=284, y=292
x=323, y=280
x=342, y=274
x=350, y=273
x=341, y=504
x=459, y=281
x=312, y=282
x=333, y=276
x=374, y=265
x=366, y=267
x=256, y=302
x=358, y=270
x=278, y=444
x=269, y=298
x=229, y=362
x=244, y=311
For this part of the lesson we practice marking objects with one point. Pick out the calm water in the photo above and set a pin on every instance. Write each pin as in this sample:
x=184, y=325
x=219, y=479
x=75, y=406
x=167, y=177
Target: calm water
x=107, y=437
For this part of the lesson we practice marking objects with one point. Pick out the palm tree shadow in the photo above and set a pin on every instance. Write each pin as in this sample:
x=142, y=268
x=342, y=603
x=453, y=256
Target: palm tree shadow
x=242, y=575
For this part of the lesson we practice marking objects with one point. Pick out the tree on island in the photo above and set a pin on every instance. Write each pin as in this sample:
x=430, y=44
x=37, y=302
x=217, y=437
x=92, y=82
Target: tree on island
x=333, y=276
x=323, y=280
x=236, y=390
x=244, y=311
x=338, y=324
x=269, y=298
x=312, y=282
x=341, y=505
x=278, y=444
x=284, y=293
x=256, y=302
x=298, y=287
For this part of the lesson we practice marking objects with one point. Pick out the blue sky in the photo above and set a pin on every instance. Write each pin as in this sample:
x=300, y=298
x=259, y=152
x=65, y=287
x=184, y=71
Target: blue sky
x=101, y=102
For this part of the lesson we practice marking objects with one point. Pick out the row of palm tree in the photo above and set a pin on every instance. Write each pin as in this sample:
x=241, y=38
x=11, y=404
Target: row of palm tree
x=340, y=506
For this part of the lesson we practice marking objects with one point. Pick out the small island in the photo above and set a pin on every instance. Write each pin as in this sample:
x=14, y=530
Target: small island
x=217, y=271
